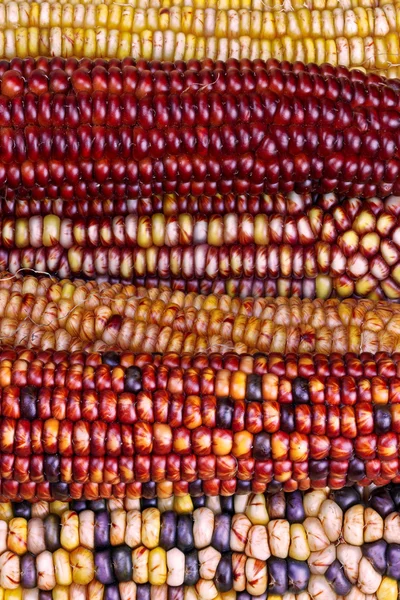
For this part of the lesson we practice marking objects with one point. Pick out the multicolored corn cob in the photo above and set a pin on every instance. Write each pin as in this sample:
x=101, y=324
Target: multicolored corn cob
x=302, y=545
x=39, y=313
x=86, y=425
x=74, y=128
x=289, y=243
x=364, y=36
x=355, y=247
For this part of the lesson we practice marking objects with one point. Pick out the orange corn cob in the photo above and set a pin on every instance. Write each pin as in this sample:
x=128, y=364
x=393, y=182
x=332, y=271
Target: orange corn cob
x=92, y=425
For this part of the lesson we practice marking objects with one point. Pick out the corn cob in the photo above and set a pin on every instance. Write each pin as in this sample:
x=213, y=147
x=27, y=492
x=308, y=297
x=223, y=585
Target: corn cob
x=341, y=248
x=201, y=128
x=361, y=37
x=281, y=544
x=38, y=313
x=170, y=205
x=90, y=424
x=351, y=249
x=327, y=268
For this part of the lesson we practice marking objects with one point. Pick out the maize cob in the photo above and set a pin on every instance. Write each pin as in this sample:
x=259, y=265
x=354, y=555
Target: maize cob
x=200, y=128
x=89, y=424
x=354, y=37
x=295, y=543
x=353, y=248
x=38, y=313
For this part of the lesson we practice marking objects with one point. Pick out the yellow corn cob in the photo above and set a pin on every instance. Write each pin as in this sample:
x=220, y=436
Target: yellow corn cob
x=39, y=313
x=349, y=33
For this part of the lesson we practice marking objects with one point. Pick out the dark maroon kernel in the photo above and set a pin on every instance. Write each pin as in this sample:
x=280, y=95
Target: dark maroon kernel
x=382, y=419
x=149, y=490
x=133, y=380
x=28, y=402
x=224, y=413
x=224, y=574
x=318, y=469
x=254, y=388
x=60, y=491
x=52, y=468
x=300, y=391
x=262, y=446
x=287, y=418
x=294, y=507
x=347, y=497
x=356, y=470
x=382, y=502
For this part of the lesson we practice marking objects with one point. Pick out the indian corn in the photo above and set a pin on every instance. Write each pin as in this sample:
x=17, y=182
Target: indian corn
x=355, y=247
x=201, y=127
x=75, y=315
x=87, y=425
x=246, y=546
x=364, y=36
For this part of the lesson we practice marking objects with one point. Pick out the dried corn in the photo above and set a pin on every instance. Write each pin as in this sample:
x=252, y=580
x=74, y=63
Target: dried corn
x=171, y=205
x=353, y=249
x=203, y=127
x=211, y=550
x=73, y=315
x=90, y=424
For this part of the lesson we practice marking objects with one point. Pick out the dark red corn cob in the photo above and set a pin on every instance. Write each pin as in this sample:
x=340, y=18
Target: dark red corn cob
x=114, y=129
x=93, y=424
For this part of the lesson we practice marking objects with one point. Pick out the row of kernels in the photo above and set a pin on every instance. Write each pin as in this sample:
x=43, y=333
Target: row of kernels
x=369, y=53
x=229, y=4
x=362, y=233
x=261, y=23
x=323, y=262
